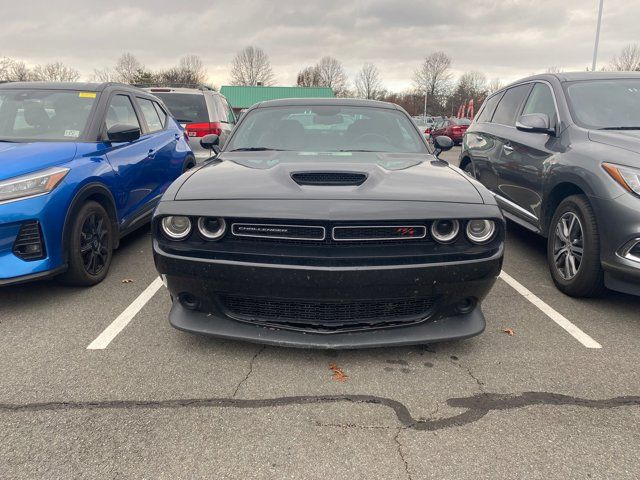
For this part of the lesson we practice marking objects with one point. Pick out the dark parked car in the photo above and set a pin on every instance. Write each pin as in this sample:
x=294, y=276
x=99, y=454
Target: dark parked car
x=328, y=223
x=454, y=128
x=561, y=154
x=81, y=165
x=201, y=111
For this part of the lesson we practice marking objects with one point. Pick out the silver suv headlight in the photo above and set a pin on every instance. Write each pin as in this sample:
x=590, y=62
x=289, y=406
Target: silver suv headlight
x=627, y=177
x=32, y=184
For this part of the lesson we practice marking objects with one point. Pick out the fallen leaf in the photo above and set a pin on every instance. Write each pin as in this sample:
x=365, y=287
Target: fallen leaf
x=509, y=332
x=338, y=374
x=127, y=280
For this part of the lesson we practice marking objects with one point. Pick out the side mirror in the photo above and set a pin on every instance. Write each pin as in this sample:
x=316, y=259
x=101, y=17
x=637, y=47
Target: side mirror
x=535, y=123
x=442, y=144
x=121, y=133
x=210, y=141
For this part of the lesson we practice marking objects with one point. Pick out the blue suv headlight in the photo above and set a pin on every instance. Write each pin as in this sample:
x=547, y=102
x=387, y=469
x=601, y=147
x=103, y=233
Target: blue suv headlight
x=31, y=185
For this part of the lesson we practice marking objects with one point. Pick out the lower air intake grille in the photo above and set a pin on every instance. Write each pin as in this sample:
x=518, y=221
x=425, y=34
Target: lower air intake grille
x=329, y=178
x=307, y=314
x=28, y=244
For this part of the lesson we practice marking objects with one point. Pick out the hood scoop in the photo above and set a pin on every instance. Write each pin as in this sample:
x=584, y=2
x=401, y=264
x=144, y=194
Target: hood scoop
x=327, y=178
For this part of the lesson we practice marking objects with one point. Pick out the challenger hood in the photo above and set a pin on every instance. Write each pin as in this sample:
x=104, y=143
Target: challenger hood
x=625, y=139
x=22, y=158
x=270, y=176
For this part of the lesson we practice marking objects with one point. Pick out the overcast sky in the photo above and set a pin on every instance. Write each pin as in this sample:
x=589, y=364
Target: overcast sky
x=505, y=39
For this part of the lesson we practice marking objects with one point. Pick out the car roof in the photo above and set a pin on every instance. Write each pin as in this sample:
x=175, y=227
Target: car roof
x=316, y=102
x=85, y=86
x=576, y=76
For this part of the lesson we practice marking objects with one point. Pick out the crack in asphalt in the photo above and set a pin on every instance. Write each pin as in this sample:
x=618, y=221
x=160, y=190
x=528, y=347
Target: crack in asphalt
x=404, y=460
x=246, y=377
x=456, y=361
x=475, y=406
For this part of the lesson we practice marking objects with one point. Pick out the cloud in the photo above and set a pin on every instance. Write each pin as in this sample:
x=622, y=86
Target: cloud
x=506, y=39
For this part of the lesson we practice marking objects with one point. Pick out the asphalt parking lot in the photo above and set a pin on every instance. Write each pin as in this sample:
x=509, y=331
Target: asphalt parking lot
x=557, y=399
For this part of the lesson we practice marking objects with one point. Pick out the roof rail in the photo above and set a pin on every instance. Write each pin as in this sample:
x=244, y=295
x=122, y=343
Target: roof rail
x=174, y=85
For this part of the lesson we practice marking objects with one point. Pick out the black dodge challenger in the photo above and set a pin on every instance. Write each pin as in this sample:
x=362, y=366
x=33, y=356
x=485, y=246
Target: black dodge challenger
x=328, y=223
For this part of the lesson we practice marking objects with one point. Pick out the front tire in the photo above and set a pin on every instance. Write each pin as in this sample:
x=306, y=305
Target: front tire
x=573, y=249
x=90, y=246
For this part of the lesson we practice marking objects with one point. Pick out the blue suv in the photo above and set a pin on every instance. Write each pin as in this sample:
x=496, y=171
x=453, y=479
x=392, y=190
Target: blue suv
x=81, y=165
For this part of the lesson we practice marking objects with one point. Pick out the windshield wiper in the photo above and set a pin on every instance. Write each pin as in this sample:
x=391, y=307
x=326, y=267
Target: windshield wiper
x=257, y=149
x=619, y=128
x=182, y=120
x=356, y=150
x=7, y=141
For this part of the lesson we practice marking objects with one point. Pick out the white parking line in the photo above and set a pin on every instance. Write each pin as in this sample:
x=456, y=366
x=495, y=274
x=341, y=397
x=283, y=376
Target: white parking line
x=571, y=329
x=109, y=333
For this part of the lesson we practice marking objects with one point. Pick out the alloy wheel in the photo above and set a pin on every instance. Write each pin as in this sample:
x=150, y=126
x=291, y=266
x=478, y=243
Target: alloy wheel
x=568, y=245
x=94, y=244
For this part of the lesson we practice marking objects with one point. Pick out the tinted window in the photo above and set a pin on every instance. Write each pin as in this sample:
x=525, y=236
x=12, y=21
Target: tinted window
x=510, y=104
x=541, y=101
x=39, y=115
x=185, y=107
x=220, y=110
x=328, y=129
x=161, y=113
x=489, y=108
x=461, y=121
x=121, y=112
x=150, y=115
x=605, y=103
x=228, y=112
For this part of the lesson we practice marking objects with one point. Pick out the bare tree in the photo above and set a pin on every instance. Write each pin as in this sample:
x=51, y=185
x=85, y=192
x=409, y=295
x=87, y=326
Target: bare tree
x=368, y=82
x=193, y=69
x=55, y=72
x=332, y=75
x=494, y=85
x=554, y=69
x=309, y=77
x=104, y=75
x=127, y=68
x=19, y=72
x=433, y=75
x=5, y=67
x=251, y=66
x=628, y=60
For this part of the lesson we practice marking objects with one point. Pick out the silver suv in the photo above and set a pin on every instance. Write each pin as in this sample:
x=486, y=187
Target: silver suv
x=201, y=111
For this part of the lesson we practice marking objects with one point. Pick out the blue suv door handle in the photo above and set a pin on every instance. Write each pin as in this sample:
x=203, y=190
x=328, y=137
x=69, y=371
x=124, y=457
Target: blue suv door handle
x=152, y=153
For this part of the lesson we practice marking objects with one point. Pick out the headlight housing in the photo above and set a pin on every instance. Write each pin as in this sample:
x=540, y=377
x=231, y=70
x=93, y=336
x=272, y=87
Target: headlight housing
x=212, y=228
x=445, y=231
x=480, y=231
x=176, y=227
x=627, y=177
x=32, y=184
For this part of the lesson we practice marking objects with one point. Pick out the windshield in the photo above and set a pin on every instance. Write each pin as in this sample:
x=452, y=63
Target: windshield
x=44, y=115
x=608, y=104
x=327, y=129
x=462, y=121
x=185, y=107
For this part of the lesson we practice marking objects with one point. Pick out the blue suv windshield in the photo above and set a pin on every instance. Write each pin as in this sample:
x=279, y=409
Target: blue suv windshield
x=33, y=115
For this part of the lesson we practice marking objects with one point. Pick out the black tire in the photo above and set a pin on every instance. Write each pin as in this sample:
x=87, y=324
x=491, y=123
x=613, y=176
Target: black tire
x=189, y=163
x=587, y=279
x=468, y=168
x=91, y=243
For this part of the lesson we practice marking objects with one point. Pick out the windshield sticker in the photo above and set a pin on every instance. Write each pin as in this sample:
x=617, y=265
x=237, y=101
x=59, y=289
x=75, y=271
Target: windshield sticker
x=72, y=133
x=87, y=94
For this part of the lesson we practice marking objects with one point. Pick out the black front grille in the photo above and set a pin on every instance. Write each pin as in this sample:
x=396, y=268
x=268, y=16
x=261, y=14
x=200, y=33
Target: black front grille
x=329, y=315
x=347, y=233
x=329, y=178
x=28, y=244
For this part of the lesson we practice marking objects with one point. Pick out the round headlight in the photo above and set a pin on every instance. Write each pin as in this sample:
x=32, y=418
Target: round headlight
x=480, y=231
x=445, y=231
x=176, y=227
x=212, y=228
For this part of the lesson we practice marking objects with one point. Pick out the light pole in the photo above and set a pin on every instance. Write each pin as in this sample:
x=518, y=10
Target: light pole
x=595, y=47
x=424, y=116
